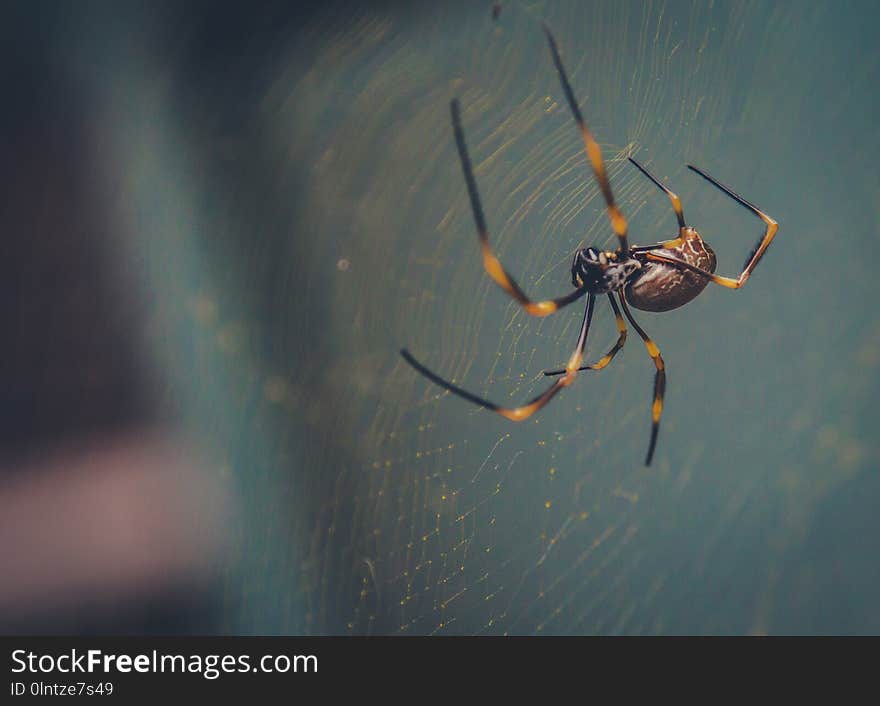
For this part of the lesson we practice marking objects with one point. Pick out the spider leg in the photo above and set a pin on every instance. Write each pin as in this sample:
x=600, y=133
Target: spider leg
x=491, y=263
x=518, y=414
x=609, y=356
x=659, y=379
x=676, y=206
x=755, y=256
x=591, y=147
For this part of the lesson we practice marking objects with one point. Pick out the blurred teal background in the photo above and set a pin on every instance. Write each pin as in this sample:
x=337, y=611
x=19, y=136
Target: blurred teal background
x=296, y=206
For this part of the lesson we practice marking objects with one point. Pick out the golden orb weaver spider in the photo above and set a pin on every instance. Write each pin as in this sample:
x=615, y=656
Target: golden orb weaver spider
x=658, y=277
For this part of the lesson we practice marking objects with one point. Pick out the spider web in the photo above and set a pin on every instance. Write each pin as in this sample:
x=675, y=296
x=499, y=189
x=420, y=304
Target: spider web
x=455, y=521
x=332, y=228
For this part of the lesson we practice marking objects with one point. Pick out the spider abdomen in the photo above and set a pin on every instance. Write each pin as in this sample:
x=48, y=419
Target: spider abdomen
x=661, y=287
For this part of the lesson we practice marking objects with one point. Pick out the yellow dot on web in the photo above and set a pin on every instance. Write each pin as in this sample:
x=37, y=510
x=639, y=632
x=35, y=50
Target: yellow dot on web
x=547, y=504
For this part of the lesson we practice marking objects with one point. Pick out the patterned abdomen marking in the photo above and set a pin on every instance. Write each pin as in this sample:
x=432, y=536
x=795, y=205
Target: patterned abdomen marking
x=661, y=287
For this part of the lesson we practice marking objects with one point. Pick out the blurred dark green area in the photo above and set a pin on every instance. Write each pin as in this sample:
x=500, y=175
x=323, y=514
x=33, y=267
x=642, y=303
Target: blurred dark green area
x=264, y=202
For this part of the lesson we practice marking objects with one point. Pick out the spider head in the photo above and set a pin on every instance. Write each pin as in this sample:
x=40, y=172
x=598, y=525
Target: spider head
x=601, y=271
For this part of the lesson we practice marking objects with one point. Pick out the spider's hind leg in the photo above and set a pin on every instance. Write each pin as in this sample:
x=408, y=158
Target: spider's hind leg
x=659, y=379
x=763, y=243
x=609, y=356
x=517, y=414
x=676, y=206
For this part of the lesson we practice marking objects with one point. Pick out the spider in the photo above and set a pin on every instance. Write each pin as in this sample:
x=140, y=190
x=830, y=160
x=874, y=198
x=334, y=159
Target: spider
x=658, y=277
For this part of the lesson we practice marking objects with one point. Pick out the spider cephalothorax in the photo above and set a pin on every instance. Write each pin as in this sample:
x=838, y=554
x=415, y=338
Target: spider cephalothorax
x=600, y=272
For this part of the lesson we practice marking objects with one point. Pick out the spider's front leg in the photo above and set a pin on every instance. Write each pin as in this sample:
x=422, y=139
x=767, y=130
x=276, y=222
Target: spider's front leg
x=591, y=148
x=491, y=263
